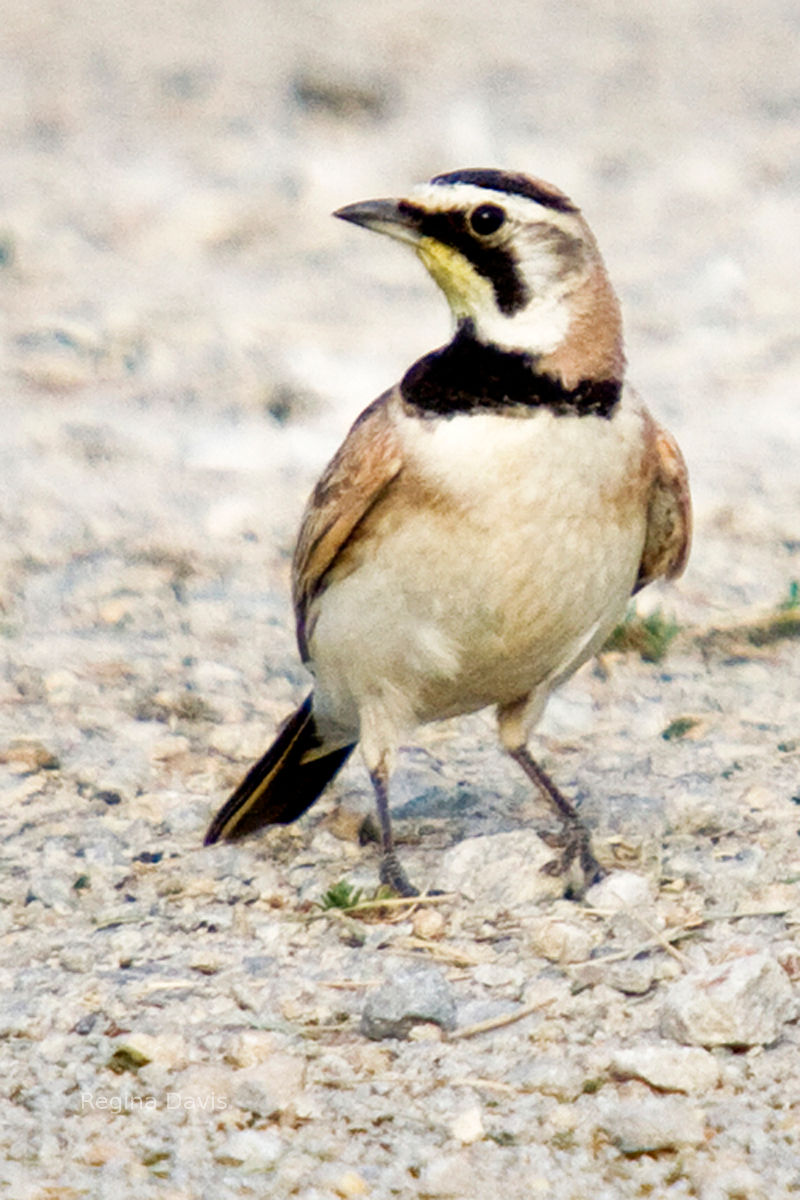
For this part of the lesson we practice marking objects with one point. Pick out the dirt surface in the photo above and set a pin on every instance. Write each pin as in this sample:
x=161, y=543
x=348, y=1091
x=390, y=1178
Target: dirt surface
x=186, y=337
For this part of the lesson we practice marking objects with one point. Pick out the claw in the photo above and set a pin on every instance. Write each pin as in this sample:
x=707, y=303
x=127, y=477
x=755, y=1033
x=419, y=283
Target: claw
x=576, y=843
x=392, y=875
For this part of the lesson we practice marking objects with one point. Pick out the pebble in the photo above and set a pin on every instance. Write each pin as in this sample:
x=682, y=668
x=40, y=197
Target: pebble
x=428, y=923
x=503, y=869
x=249, y=1047
x=743, y=1002
x=351, y=1184
x=27, y=756
x=560, y=1077
x=651, y=1124
x=169, y=1050
x=251, y=1149
x=667, y=1067
x=467, y=1126
x=631, y=976
x=78, y=959
x=426, y=1031
x=561, y=941
x=498, y=975
x=413, y=995
x=53, y=891
x=621, y=890
x=269, y=1087
x=128, y=942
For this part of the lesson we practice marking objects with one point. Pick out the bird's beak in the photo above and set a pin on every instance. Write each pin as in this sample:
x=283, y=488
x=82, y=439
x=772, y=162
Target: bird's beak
x=397, y=218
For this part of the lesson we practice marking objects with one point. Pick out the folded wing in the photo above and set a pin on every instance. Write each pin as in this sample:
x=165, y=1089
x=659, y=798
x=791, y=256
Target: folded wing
x=357, y=477
x=669, y=512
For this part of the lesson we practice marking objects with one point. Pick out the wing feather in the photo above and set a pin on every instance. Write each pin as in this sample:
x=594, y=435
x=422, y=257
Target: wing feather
x=669, y=512
x=366, y=463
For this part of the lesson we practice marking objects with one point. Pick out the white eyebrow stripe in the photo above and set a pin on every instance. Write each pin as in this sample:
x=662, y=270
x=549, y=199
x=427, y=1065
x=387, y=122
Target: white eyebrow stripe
x=440, y=197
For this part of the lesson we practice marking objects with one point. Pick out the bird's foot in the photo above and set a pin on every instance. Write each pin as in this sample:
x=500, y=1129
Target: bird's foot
x=575, y=843
x=392, y=875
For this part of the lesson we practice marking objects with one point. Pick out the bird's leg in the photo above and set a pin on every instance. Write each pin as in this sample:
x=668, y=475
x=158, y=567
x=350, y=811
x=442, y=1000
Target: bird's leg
x=578, y=843
x=391, y=873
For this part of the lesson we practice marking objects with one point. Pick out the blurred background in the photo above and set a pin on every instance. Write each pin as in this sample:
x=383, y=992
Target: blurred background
x=187, y=334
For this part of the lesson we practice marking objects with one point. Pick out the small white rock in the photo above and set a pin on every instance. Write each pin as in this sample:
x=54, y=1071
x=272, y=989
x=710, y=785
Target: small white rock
x=498, y=975
x=428, y=923
x=168, y=1050
x=644, y=1126
x=621, y=890
x=351, y=1184
x=561, y=941
x=249, y=1047
x=251, y=1149
x=667, y=1067
x=467, y=1127
x=743, y=1002
x=269, y=1087
x=78, y=959
x=504, y=869
x=559, y=1077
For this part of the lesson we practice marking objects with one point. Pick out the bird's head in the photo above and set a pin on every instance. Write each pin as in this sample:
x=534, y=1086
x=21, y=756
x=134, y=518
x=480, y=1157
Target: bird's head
x=518, y=264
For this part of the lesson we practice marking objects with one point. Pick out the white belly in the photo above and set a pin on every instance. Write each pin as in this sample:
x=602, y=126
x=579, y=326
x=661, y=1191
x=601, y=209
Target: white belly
x=504, y=589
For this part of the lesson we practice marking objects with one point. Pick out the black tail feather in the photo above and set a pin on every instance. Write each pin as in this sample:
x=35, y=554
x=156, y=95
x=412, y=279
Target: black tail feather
x=281, y=785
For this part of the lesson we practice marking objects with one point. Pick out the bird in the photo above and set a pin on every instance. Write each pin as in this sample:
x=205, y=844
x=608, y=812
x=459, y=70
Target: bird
x=482, y=528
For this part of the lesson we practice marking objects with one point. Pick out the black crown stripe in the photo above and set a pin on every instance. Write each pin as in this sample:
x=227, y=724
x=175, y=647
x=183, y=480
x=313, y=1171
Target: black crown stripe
x=512, y=183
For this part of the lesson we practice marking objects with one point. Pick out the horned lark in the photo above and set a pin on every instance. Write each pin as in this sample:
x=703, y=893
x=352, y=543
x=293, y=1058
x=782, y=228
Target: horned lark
x=480, y=531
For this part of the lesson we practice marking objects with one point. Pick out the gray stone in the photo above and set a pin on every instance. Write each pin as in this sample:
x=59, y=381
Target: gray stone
x=632, y=976
x=413, y=995
x=743, y=1002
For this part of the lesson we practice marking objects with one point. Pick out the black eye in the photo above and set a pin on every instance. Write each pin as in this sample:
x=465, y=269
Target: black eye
x=486, y=219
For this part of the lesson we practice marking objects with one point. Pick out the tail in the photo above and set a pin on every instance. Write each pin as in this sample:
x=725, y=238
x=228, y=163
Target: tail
x=282, y=784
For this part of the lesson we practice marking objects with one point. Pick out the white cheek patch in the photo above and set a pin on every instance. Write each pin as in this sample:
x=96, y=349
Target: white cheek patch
x=549, y=256
x=539, y=328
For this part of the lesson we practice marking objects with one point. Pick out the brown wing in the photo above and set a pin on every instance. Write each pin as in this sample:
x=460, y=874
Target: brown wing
x=669, y=512
x=363, y=467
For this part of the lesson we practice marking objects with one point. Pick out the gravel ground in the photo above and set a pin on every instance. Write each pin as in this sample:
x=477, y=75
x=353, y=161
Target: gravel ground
x=186, y=337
